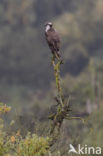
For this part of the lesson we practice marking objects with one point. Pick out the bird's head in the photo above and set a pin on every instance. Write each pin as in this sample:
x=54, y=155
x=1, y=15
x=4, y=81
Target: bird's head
x=48, y=25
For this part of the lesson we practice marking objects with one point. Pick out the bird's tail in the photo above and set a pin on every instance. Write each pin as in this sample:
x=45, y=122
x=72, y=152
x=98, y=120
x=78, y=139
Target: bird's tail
x=58, y=54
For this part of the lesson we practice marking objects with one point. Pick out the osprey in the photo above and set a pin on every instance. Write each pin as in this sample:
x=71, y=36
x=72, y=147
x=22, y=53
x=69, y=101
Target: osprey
x=53, y=39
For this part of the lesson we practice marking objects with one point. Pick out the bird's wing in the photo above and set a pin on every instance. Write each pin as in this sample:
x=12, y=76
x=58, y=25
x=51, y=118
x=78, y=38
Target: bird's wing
x=53, y=40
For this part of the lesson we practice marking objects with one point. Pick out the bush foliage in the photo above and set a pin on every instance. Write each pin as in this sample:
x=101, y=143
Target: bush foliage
x=16, y=145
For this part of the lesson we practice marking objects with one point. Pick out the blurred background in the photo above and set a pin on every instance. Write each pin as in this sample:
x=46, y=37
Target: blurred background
x=26, y=75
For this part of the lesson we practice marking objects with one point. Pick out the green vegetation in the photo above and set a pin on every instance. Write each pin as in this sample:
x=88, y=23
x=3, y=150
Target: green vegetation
x=15, y=145
x=27, y=82
x=24, y=53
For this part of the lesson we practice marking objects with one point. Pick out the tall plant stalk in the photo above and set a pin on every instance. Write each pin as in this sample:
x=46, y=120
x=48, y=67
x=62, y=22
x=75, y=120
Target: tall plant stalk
x=62, y=108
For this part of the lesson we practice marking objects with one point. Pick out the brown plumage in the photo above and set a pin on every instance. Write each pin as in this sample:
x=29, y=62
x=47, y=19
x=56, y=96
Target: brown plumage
x=53, y=39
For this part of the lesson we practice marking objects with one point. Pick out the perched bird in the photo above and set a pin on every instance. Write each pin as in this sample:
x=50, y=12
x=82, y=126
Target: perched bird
x=53, y=39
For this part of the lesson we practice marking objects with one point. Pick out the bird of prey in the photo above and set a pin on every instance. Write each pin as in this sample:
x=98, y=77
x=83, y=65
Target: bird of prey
x=53, y=39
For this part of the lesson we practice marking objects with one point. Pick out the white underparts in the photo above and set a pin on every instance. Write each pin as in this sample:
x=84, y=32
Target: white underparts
x=47, y=28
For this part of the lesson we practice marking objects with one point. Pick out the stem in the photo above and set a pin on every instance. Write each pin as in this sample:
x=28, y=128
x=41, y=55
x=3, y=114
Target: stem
x=62, y=107
x=56, y=67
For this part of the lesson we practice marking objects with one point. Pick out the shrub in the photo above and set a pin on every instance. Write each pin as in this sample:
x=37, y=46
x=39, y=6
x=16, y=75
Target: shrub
x=15, y=145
